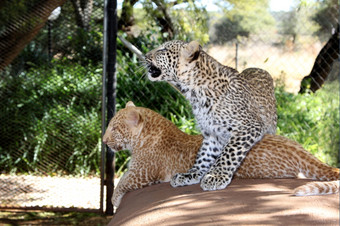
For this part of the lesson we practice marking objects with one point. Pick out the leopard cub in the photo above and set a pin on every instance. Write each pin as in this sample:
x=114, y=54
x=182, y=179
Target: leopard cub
x=233, y=110
x=159, y=150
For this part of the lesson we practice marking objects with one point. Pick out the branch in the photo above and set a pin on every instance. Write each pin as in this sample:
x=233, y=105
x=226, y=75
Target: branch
x=164, y=20
x=171, y=4
x=132, y=48
x=23, y=29
x=83, y=12
x=126, y=19
x=322, y=65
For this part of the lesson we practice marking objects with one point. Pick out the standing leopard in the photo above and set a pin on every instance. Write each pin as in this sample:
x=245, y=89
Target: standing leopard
x=233, y=110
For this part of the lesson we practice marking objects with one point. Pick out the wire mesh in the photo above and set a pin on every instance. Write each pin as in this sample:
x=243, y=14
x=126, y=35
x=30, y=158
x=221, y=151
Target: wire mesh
x=287, y=43
x=50, y=95
x=50, y=104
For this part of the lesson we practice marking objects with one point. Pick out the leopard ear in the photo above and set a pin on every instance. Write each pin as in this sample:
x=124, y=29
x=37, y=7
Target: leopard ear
x=134, y=120
x=191, y=52
x=130, y=104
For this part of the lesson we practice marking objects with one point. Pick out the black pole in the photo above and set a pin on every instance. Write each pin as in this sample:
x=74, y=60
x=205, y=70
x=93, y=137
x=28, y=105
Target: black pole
x=49, y=37
x=338, y=90
x=236, y=54
x=109, y=69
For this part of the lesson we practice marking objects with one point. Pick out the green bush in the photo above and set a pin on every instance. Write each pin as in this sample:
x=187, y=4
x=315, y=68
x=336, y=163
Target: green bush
x=51, y=120
x=312, y=120
x=51, y=117
x=132, y=85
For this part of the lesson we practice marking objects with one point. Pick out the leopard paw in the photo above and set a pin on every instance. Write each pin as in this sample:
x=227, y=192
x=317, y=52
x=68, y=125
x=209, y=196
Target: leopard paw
x=116, y=199
x=182, y=179
x=212, y=182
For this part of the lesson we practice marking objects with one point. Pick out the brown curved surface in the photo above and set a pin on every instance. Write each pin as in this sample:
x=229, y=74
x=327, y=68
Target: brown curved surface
x=243, y=202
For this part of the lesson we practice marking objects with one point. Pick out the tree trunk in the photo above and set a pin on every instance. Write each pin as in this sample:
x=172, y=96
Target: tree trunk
x=23, y=29
x=163, y=18
x=322, y=66
x=83, y=12
x=126, y=19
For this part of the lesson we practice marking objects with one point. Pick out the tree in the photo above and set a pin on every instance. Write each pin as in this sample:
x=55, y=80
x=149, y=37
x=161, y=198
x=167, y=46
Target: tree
x=326, y=17
x=297, y=22
x=242, y=18
x=83, y=11
x=160, y=13
x=24, y=24
x=228, y=29
x=322, y=65
x=164, y=15
x=126, y=19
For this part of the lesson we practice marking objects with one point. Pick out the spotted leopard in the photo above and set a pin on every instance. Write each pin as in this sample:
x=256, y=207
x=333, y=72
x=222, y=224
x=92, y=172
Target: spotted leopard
x=159, y=150
x=233, y=110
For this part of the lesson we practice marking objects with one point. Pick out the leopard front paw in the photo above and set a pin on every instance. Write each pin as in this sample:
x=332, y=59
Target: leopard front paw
x=183, y=179
x=212, y=182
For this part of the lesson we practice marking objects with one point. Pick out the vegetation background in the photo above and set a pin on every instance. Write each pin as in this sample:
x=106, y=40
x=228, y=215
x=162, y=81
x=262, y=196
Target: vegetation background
x=50, y=94
x=51, y=106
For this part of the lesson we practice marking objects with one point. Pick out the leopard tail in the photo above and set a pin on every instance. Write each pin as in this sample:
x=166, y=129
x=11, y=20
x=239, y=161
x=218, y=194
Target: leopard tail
x=325, y=173
x=318, y=188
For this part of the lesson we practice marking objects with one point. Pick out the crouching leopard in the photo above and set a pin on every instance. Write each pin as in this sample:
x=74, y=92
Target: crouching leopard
x=159, y=150
x=233, y=110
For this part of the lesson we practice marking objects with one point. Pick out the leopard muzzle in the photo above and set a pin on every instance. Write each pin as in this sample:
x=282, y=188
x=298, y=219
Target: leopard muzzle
x=154, y=71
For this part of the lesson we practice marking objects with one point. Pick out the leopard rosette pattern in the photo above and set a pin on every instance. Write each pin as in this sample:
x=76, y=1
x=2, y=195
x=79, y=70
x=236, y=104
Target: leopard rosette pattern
x=233, y=110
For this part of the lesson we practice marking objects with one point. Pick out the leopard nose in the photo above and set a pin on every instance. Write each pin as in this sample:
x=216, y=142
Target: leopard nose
x=105, y=140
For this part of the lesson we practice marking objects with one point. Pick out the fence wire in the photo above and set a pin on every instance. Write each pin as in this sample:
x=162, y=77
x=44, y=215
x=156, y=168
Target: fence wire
x=50, y=87
x=50, y=104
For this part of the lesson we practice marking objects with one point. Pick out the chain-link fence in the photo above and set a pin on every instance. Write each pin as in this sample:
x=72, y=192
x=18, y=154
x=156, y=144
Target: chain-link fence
x=51, y=93
x=298, y=46
x=50, y=104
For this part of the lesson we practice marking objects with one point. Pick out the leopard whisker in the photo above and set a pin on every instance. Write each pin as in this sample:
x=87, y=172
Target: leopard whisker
x=144, y=75
x=140, y=68
x=143, y=61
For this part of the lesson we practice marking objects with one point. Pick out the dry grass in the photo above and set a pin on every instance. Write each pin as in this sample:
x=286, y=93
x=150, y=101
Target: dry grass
x=288, y=63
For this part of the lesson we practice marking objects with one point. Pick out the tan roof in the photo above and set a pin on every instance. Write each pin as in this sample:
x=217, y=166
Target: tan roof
x=243, y=202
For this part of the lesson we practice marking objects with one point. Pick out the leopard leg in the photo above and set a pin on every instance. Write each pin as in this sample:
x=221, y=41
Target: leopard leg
x=206, y=156
x=220, y=174
x=123, y=186
x=131, y=180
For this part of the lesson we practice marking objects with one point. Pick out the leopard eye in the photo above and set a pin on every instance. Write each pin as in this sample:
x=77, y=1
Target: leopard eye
x=113, y=128
x=161, y=50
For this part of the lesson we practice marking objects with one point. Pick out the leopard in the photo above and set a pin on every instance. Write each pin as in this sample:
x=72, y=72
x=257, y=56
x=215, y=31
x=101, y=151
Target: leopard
x=159, y=150
x=233, y=110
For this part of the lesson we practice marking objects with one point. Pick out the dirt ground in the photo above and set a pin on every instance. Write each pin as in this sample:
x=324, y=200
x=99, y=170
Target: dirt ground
x=51, y=218
x=56, y=191
x=47, y=191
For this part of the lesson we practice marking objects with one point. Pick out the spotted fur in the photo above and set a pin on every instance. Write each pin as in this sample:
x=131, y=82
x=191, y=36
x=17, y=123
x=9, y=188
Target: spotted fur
x=233, y=110
x=160, y=150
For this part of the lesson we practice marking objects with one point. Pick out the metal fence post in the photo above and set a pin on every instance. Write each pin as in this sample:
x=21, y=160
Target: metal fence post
x=109, y=90
x=236, y=54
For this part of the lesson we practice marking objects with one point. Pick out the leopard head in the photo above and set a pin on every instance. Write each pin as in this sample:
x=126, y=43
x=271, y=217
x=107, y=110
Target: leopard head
x=123, y=128
x=170, y=61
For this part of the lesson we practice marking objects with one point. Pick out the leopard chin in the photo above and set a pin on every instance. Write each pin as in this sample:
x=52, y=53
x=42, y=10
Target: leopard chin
x=115, y=148
x=154, y=71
